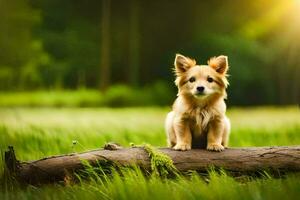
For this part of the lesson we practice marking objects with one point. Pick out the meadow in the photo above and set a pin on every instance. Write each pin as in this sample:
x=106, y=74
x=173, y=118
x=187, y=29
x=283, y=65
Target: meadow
x=38, y=132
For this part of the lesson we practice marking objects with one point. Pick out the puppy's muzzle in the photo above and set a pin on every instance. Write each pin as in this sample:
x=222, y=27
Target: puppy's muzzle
x=200, y=89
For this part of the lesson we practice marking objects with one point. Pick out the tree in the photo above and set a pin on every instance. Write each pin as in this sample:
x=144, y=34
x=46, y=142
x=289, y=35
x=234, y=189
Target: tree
x=133, y=43
x=105, y=45
x=21, y=53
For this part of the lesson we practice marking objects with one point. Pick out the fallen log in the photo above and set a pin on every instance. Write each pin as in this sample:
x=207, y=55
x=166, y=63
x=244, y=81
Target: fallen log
x=241, y=160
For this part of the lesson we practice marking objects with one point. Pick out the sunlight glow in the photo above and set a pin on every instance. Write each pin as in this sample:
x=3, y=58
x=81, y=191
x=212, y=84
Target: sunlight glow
x=261, y=25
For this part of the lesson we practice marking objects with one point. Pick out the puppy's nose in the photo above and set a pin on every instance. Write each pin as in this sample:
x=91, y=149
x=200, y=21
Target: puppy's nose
x=200, y=89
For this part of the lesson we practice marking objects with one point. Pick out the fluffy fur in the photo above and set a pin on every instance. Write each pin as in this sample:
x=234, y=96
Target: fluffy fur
x=198, y=117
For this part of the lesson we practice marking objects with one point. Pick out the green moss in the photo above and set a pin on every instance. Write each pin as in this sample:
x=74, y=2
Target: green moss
x=161, y=164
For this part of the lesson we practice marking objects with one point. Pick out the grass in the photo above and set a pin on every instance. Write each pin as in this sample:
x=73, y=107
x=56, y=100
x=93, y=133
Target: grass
x=39, y=132
x=158, y=93
x=51, y=98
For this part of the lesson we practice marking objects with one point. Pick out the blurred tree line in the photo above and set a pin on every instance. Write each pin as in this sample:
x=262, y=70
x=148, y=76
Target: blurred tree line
x=71, y=44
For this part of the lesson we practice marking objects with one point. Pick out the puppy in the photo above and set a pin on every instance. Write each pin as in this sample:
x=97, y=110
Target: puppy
x=198, y=117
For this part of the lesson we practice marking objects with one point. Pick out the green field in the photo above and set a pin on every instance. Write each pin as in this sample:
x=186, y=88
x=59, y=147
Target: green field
x=39, y=132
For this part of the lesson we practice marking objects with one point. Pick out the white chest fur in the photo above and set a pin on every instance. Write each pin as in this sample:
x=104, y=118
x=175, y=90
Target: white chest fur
x=199, y=120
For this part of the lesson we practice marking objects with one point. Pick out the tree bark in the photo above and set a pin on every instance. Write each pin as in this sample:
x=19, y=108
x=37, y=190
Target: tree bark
x=241, y=160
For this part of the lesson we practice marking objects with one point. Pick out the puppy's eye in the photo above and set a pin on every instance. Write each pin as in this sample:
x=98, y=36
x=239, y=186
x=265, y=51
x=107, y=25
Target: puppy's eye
x=210, y=79
x=192, y=79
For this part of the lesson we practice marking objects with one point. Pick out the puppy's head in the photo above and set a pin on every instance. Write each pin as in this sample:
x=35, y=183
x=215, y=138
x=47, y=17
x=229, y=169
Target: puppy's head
x=201, y=81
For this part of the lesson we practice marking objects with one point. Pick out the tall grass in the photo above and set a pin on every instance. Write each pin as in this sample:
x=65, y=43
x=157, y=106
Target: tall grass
x=158, y=93
x=132, y=184
x=79, y=98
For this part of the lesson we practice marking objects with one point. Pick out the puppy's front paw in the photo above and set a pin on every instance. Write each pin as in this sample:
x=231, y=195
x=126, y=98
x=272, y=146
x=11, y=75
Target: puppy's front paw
x=215, y=147
x=182, y=147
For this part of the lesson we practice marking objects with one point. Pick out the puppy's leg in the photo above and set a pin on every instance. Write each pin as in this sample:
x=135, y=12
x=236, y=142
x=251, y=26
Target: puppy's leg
x=214, y=136
x=171, y=137
x=226, y=132
x=183, y=135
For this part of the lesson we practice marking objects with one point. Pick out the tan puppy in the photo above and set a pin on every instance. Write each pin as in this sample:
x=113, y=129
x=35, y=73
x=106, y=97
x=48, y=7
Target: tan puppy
x=198, y=118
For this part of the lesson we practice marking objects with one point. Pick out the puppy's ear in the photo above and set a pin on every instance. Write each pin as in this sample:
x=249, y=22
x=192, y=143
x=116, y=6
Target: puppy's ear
x=182, y=63
x=220, y=64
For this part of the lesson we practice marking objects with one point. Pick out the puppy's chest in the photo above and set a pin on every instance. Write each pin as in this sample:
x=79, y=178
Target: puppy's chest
x=199, y=120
